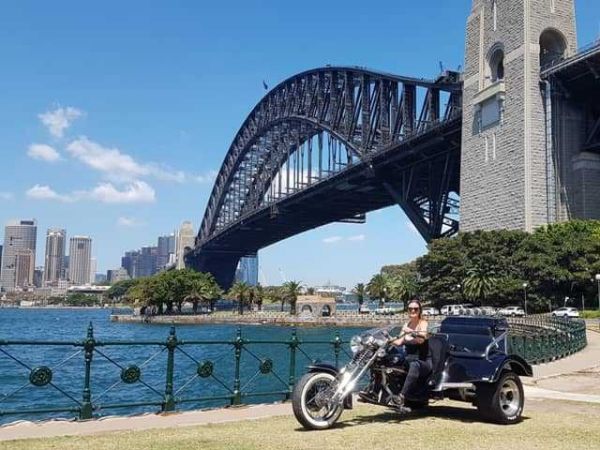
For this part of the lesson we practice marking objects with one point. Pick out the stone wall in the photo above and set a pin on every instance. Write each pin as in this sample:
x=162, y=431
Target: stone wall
x=506, y=173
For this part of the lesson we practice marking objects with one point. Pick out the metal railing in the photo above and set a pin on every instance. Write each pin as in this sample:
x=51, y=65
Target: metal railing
x=97, y=376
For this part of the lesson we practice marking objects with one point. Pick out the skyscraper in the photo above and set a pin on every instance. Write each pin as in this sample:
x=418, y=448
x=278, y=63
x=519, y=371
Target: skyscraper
x=55, y=255
x=166, y=247
x=93, y=269
x=185, y=239
x=18, y=254
x=80, y=254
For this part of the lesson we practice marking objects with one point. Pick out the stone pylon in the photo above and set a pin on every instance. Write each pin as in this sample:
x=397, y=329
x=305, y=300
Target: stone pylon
x=510, y=171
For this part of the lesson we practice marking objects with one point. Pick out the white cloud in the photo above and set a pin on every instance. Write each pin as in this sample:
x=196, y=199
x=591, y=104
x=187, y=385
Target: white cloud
x=332, y=239
x=412, y=227
x=135, y=192
x=358, y=237
x=207, y=177
x=128, y=222
x=117, y=165
x=6, y=196
x=39, y=192
x=43, y=152
x=59, y=120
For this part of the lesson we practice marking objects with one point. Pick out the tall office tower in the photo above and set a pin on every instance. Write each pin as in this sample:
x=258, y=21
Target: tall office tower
x=80, y=254
x=147, y=262
x=38, y=277
x=19, y=240
x=55, y=255
x=93, y=269
x=129, y=262
x=185, y=239
x=166, y=246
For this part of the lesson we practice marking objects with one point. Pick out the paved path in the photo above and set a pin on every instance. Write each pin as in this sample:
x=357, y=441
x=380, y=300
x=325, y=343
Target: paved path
x=587, y=359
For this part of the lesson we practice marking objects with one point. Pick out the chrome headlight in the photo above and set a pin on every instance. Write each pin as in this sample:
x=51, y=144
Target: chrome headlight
x=356, y=344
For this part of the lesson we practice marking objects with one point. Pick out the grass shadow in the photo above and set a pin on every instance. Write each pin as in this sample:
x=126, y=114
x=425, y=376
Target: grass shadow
x=444, y=412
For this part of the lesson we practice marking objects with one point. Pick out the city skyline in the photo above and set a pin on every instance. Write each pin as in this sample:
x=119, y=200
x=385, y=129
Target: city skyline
x=128, y=153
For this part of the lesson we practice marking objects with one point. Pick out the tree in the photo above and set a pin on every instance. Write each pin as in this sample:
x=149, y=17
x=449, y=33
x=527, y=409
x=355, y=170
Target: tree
x=259, y=295
x=360, y=291
x=403, y=287
x=118, y=290
x=479, y=284
x=378, y=288
x=239, y=292
x=291, y=291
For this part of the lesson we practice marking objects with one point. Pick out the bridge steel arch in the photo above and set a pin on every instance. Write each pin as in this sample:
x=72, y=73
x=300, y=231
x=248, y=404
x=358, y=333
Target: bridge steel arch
x=396, y=136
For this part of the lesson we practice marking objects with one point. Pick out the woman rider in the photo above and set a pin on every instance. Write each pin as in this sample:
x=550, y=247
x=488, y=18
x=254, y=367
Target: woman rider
x=414, y=338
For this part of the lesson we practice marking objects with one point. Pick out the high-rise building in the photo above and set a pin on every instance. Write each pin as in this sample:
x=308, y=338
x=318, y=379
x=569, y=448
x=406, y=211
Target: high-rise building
x=147, y=262
x=38, y=277
x=18, y=254
x=185, y=240
x=93, y=269
x=129, y=262
x=55, y=255
x=80, y=254
x=247, y=270
x=116, y=275
x=166, y=248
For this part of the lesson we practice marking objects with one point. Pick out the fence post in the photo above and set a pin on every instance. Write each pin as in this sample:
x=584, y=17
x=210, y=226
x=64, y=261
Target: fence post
x=86, y=405
x=169, y=402
x=337, y=344
x=293, y=344
x=239, y=345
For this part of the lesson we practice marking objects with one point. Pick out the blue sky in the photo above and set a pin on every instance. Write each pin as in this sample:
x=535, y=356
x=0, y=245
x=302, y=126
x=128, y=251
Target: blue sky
x=115, y=115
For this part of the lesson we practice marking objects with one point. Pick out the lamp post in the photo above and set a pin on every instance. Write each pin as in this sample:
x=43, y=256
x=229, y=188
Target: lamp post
x=566, y=300
x=525, y=295
x=598, y=280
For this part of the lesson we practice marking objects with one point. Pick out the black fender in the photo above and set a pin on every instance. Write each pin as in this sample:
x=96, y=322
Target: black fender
x=515, y=364
x=332, y=370
x=323, y=367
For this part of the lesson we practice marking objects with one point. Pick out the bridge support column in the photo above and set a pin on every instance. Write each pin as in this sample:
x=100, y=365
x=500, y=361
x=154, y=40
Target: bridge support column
x=222, y=265
x=505, y=176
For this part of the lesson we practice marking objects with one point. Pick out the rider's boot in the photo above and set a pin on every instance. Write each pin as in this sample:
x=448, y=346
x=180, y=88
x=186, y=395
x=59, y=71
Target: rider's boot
x=397, y=402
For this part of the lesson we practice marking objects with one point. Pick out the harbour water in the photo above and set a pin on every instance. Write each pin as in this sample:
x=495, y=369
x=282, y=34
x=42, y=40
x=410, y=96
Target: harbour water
x=107, y=387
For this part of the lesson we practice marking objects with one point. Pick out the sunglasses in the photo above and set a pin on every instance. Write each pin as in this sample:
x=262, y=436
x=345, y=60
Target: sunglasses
x=413, y=309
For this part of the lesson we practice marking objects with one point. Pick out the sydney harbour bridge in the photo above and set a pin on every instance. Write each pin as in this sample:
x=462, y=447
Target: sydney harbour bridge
x=334, y=143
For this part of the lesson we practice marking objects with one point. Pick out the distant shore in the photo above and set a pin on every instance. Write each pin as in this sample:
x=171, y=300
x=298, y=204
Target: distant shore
x=345, y=319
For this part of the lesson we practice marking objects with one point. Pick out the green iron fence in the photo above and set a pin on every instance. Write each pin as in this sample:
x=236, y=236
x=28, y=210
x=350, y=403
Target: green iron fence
x=175, y=376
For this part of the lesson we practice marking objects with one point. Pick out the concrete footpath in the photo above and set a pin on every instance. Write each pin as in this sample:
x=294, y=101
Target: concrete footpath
x=558, y=375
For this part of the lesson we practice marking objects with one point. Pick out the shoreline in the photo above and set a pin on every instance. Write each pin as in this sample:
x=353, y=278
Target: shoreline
x=254, y=319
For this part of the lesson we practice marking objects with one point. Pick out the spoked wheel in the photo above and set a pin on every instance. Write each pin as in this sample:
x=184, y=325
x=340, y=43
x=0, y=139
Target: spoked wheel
x=311, y=401
x=502, y=402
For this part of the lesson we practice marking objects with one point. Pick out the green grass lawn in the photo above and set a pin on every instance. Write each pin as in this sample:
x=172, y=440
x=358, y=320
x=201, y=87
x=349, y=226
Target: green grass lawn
x=547, y=425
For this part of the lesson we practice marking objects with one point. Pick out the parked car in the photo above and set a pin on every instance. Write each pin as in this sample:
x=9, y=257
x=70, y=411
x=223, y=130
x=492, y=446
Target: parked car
x=513, y=311
x=364, y=309
x=431, y=311
x=386, y=311
x=457, y=310
x=565, y=311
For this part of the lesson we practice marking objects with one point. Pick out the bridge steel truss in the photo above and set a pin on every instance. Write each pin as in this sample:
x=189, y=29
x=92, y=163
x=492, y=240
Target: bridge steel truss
x=332, y=124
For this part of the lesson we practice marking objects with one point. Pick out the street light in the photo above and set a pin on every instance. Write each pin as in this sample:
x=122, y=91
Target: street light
x=525, y=292
x=598, y=280
x=566, y=300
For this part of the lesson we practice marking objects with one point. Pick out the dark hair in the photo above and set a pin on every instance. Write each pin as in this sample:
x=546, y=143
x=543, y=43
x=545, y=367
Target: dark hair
x=420, y=306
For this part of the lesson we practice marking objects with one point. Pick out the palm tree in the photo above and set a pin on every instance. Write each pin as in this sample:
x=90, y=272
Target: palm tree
x=239, y=291
x=310, y=291
x=259, y=295
x=479, y=283
x=379, y=288
x=404, y=288
x=291, y=290
x=360, y=291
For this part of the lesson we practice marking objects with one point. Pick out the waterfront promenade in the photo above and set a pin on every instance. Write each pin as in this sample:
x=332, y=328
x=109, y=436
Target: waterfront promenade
x=339, y=320
x=551, y=391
